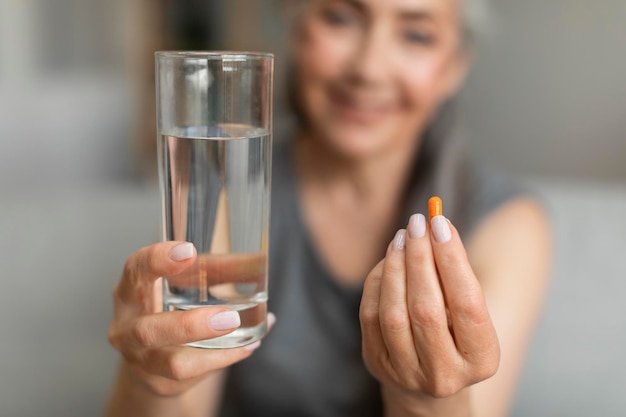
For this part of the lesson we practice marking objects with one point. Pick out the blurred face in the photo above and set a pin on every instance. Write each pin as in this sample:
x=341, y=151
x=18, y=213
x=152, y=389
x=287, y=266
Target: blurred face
x=371, y=73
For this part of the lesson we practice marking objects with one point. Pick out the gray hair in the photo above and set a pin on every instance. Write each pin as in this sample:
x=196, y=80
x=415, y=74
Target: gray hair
x=476, y=20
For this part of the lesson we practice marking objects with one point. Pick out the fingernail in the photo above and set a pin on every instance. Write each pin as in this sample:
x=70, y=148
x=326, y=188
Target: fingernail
x=252, y=346
x=271, y=319
x=441, y=229
x=225, y=320
x=181, y=252
x=399, y=239
x=417, y=226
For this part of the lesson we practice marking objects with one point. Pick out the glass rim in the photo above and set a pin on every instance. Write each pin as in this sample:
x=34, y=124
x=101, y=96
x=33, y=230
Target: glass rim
x=215, y=55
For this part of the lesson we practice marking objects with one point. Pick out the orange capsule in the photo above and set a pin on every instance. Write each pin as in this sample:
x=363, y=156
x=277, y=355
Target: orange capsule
x=435, y=207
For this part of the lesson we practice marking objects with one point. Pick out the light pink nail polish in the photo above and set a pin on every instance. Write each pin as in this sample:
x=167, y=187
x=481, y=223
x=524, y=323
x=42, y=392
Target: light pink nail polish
x=441, y=229
x=225, y=320
x=417, y=226
x=271, y=319
x=399, y=240
x=181, y=252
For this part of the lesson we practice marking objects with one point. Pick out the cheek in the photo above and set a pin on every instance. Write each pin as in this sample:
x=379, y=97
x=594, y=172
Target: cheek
x=426, y=82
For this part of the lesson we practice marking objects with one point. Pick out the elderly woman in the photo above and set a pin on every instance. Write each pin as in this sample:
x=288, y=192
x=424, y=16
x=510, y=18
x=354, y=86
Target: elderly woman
x=380, y=312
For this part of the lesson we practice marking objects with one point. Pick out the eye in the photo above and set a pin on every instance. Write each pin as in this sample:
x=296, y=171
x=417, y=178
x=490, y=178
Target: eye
x=420, y=37
x=337, y=17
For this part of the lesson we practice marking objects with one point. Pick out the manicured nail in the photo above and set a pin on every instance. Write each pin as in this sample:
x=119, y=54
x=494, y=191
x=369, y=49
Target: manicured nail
x=399, y=240
x=225, y=320
x=252, y=346
x=441, y=229
x=271, y=319
x=181, y=252
x=417, y=226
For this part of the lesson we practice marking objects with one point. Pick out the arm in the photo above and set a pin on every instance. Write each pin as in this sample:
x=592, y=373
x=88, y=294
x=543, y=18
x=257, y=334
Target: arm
x=511, y=254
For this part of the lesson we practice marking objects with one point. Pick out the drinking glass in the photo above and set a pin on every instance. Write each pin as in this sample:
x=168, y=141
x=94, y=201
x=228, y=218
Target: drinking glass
x=214, y=123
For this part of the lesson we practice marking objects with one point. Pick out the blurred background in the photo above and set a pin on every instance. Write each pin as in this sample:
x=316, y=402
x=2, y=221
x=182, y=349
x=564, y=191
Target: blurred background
x=78, y=194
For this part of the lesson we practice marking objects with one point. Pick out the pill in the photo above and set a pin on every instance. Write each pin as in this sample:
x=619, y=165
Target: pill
x=435, y=207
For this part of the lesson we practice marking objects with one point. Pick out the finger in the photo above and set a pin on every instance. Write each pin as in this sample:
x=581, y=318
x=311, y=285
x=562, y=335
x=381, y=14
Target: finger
x=271, y=321
x=474, y=333
x=425, y=299
x=186, y=363
x=395, y=323
x=232, y=268
x=370, y=324
x=150, y=263
x=178, y=327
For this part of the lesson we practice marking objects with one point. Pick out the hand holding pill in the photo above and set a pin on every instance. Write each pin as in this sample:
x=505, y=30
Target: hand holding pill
x=425, y=324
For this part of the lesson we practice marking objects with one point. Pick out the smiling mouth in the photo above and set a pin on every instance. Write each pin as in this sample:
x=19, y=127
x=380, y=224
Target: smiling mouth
x=360, y=108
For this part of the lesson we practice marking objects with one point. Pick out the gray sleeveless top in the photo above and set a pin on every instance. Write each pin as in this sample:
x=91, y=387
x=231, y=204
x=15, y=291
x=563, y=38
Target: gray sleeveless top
x=310, y=364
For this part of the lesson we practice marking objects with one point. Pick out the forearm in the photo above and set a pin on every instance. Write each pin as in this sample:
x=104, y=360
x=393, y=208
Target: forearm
x=399, y=403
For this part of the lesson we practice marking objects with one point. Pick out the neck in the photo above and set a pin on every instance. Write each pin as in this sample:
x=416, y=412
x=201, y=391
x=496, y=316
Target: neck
x=350, y=205
x=373, y=181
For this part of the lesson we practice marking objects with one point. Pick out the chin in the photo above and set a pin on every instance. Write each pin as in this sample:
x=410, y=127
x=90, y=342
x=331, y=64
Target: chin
x=356, y=143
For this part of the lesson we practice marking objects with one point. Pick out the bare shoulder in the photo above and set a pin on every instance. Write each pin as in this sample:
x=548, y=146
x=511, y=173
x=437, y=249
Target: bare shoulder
x=510, y=251
x=517, y=232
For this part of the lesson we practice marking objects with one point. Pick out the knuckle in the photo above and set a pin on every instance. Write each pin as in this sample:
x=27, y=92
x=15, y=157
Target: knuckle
x=472, y=308
x=113, y=337
x=377, y=364
x=150, y=259
x=394, y=319
x=428, y=315
x=443, y=386
x=143, y=334
x=130, y=266
x=177, y=367
x=141, y=262
x=408, y=376
x=368, y=314
x=129, y=283
x=486, y=370
x=119, y=298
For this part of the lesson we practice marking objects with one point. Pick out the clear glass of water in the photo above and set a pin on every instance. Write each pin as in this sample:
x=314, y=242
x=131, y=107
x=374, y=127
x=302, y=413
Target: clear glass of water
x=214, y=123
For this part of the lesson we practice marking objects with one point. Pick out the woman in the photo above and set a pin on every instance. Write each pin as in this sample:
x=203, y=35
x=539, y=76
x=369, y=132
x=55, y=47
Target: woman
x=435, y=327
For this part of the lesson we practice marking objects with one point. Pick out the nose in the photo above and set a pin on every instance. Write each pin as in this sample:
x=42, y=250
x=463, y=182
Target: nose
x=371, y=62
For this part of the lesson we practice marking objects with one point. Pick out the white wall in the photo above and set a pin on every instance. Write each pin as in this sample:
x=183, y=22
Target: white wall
x=65, y=106
x=548, y=94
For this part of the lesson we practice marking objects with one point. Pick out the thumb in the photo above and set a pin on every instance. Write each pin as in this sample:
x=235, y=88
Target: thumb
x=152, y=262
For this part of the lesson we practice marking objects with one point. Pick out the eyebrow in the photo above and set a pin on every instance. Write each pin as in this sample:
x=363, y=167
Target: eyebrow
x=415, y=15
x=358, y=4
x=409, y=15
x=404, y=14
